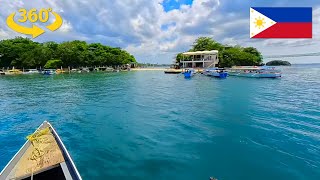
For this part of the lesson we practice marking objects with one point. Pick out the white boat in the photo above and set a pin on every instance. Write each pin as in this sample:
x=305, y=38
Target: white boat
x=74, y=70
x=255, y=71
x=84, y=70
x=43, y=156
x=31, y=71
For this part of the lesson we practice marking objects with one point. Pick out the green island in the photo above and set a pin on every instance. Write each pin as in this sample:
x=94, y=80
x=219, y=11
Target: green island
x=25, y=53
x=228, y=55
x=278, y=63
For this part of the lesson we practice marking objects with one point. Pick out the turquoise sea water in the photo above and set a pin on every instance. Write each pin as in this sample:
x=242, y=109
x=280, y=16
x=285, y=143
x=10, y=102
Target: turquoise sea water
x=150, y=125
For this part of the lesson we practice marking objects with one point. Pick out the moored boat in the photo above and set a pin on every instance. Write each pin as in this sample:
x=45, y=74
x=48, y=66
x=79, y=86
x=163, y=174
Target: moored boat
x=1, y=72
x=13, y=72
x=84, y=70
x=216, y=72
x=172, y=71
x=49, y=72
x=255, y=71
x=188, y=73
x=43, y=156
x=60, y=71
x=31, y=71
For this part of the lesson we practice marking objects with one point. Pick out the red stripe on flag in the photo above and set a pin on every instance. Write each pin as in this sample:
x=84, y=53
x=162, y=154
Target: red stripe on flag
x=287, y=30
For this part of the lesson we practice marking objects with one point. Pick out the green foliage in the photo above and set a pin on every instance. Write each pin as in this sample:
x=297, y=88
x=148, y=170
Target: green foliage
x=236, y=56
x=252, y=51
x=22, y=52
x=179, y=57
x=228, y=55
x=53, y=64
x=278, y=63
x=206, y=44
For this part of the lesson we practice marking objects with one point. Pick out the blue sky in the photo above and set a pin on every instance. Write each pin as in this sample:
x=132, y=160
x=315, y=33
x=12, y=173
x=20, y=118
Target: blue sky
x=169, y=5
x=155, y=30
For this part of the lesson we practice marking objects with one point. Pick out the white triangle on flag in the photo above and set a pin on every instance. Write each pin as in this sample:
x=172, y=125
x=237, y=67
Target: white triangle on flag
x=259, y=22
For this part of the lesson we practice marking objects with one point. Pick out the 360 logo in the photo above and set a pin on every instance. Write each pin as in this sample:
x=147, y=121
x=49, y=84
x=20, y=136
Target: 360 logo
x=33, y=16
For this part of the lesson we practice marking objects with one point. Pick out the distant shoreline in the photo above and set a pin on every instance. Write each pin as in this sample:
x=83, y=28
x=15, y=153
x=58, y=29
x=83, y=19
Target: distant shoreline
x=307, y=64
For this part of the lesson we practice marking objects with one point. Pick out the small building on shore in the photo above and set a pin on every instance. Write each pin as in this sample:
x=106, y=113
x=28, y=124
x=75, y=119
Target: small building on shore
x=200, y=59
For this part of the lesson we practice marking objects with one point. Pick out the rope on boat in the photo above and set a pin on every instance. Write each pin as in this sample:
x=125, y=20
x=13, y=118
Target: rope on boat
x=42, y=152
x=37, y=135
x=37, y=139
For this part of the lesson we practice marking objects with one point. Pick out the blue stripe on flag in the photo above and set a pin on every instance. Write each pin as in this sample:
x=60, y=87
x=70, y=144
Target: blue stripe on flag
x=287, y=14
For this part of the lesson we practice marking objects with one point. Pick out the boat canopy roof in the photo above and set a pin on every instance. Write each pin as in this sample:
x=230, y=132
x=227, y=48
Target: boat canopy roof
x=213, y=52
x=214, y=68
x=253, y=67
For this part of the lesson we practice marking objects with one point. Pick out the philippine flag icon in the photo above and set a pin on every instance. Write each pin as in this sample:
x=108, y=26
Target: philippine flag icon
x=281, y=22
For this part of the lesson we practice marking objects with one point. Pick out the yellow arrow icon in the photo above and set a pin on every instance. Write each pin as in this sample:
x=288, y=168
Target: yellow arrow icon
x=35, y=31
x=57, y=24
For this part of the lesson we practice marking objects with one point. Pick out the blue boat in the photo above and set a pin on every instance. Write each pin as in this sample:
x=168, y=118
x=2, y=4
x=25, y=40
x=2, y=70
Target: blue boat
x=188, y=73
x=49, y=72
x=216, y=72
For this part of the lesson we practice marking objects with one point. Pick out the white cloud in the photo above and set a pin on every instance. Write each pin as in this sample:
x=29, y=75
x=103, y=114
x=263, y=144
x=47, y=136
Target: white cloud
x=65, y=27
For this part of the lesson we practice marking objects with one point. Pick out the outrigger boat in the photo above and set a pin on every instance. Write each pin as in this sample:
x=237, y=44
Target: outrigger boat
x=255, y=71
x=174, y=69
x=43, y=156
x=31, y=71
x=188, y=73
x=84, y=70
x=60, y=71
x=49, y=72
x=13, y=72
x=216, y=72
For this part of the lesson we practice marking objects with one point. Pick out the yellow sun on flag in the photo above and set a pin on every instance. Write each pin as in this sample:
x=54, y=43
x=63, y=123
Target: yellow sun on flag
x=259, y=22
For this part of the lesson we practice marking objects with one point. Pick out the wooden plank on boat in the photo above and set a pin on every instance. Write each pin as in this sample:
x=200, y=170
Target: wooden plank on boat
x=40, y=156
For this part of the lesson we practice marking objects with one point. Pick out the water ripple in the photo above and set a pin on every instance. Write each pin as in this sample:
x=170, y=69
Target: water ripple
x=148, y=125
